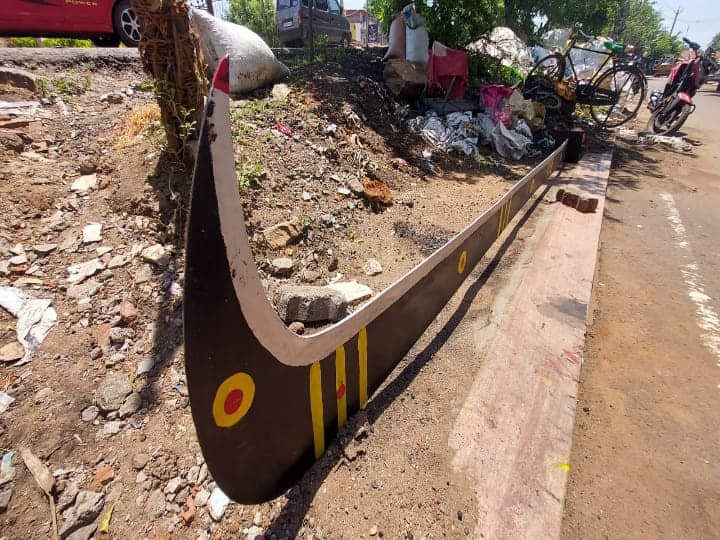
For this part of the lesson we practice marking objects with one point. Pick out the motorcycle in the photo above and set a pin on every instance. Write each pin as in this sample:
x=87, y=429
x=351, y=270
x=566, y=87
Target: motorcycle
x=671, y=107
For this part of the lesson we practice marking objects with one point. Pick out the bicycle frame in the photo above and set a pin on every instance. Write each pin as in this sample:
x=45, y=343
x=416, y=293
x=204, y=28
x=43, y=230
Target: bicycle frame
x=608, y=55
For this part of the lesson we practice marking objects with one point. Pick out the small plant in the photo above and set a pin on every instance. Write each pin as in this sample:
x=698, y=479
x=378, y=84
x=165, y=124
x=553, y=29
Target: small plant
x=43, y=86
x=71, y=85
x=250, y=172
x=305, y=222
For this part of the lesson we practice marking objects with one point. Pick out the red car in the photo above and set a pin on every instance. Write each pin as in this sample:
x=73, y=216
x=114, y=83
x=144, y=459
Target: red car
x=106, y=22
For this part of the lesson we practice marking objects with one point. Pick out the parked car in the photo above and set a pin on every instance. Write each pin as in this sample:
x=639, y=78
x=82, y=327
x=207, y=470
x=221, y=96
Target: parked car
x=105, y=22
x=293, y=22
x=663, y=66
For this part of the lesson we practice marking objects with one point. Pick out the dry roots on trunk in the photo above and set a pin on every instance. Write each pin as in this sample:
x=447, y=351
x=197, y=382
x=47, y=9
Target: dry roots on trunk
x=170, y=53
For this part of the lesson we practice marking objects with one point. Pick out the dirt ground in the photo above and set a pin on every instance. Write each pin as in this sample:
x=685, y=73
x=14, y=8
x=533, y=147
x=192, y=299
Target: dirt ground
x=119, y=330
x=644, y=461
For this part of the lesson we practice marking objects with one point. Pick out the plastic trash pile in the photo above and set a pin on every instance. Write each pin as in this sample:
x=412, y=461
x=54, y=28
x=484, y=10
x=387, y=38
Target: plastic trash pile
x=676, y=143
x=502, y=43
x=35, y=319
x=513, y=126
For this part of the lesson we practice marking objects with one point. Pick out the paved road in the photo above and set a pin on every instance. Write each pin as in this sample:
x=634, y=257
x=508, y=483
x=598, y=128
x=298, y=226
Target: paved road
x=646, y=445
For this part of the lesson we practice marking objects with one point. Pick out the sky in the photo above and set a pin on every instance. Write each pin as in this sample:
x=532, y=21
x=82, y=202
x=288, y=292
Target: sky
x=699, y=20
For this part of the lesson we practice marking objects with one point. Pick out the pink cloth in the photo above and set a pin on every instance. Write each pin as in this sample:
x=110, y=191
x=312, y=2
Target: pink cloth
x=494, y=99
x=444, y=64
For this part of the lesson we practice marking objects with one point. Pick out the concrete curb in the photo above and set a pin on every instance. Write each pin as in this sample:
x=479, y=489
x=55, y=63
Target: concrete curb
x=514, y=432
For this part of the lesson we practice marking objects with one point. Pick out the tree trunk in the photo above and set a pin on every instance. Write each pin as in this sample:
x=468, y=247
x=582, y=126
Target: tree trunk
x=170, y=54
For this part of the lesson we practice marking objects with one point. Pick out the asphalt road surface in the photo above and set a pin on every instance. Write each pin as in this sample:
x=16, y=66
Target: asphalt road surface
x=646, y=446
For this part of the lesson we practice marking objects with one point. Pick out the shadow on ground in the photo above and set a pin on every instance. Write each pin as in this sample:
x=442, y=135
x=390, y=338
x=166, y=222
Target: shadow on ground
x=290, y=519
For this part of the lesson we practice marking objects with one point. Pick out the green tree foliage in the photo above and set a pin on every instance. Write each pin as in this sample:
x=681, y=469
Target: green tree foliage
x=644, y=30
x=715, y=43
x=257, y=15
x=459, y=22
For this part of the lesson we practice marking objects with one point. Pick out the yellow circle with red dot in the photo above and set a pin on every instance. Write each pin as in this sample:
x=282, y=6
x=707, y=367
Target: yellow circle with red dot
x=233, y=399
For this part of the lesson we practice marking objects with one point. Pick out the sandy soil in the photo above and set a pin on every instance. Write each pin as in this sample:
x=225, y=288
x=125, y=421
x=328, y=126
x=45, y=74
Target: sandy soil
x=645, y=446
x=398, y=480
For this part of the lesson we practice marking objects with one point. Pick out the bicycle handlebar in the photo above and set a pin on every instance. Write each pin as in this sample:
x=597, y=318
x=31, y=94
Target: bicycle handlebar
x=579, y=28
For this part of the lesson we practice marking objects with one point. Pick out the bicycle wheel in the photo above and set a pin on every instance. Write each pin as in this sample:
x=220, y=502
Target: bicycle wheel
x=551, y=67
x=616, y=97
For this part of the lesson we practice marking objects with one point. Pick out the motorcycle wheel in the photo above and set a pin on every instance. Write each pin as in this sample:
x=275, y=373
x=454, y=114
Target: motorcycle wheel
x=673, y=123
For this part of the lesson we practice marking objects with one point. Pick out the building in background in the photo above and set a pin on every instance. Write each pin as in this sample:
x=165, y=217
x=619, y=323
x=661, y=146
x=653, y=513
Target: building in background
x=364, y=27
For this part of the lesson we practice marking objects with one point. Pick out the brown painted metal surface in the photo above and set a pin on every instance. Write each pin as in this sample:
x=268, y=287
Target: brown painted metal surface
x=263, y=420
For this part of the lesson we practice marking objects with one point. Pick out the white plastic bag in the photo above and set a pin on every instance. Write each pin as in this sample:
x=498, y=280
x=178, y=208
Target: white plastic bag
x=417, y=41
x=396, y=41
x=417, y=44
x=252, y=63
x=509, y=144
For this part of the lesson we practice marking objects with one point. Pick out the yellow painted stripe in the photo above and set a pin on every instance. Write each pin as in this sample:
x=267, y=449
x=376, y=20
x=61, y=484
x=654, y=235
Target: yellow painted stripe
x=340, y=382
x=362, y=367
x=316, y=409
x=500, y=220
x=507, y=213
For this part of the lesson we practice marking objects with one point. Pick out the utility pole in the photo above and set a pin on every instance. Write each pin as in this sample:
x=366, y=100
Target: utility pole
x=677, y=12
x=209, y=4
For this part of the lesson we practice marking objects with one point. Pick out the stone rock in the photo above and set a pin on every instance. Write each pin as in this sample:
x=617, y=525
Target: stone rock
x=254, y=533
x=4, y=268
x=372, y=267
x=258, y=519
x=17, y=260
x=11, y=141
x=281, y=267
x=143, y=274
x=280, y=91
x=145, y=366
x=114, y=359
x=83, y=290
x=404, y=79
x=111, y=428
x=87, y=507
x=80, y=272
x=19, y=78
x=202, y=497
x=96, y=353
x=83, y=533
x=192, y=474
x=113, y=98
x=43, y=396
x=282, y=234
x=297, y=327
x=92, y=232
x=67, y=497
x=111, y=393
x=306, y=303
x=352, y=291
x=156, y=254
x=309, y=276
x=131, y=405
x=84, y=304
x=128, y=312
x=173, y=485
x=141, y=477
x=155, y=505
x=5, y=497
x=89, y=414
x=83, y=184
x=217, y=503
x=117, y=335
x=11, y=352
x=44, y=249
x=139, y=460
x=118, y=260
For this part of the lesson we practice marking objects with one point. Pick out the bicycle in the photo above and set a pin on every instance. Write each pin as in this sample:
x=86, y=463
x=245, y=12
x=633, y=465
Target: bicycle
x=614, y=95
